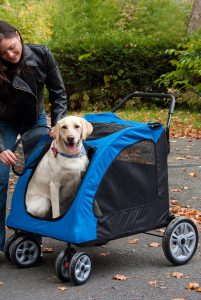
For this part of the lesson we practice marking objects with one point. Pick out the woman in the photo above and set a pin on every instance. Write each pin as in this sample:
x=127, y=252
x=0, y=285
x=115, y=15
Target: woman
x=24, y=72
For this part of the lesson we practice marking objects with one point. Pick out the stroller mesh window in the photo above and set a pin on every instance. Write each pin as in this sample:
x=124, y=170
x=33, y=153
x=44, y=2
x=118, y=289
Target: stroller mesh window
x=130, y=181
x=141, y=153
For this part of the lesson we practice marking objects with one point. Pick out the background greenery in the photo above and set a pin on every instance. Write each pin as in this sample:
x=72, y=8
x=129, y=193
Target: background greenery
x=109, y=48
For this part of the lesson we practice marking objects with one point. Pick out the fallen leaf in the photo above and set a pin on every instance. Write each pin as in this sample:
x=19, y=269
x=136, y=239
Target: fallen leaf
x=175, y=190
x=177, y=274
x=173, y=202
x=47, y=250
x=157, y=283
x=104, y=254
x=154, y=244
x=153, y=282
x=120, y=277
x=185, y=211
x=192, y=286
x=180, y=158
x=134, y=241
x=160, y=230
x=199, y=289
x=62, y=288
x=193, y=174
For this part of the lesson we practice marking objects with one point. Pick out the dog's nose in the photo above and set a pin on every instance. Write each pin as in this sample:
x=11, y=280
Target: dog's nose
x=70, y=139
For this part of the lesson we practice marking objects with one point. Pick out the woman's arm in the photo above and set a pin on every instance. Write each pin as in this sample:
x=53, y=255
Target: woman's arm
x=56, y=88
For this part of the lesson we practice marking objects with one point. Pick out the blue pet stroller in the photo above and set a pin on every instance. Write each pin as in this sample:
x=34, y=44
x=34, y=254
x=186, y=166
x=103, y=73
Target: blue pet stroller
x=123, y=192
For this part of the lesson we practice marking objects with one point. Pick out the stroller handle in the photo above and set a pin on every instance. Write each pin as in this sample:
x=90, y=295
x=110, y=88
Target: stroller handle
x=151, y=95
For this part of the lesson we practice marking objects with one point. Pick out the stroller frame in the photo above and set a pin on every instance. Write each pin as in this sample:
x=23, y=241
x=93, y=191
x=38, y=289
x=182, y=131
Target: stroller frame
x=124, y=192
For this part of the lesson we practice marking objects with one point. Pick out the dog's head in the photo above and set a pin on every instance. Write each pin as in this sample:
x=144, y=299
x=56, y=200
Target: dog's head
x=69, y=133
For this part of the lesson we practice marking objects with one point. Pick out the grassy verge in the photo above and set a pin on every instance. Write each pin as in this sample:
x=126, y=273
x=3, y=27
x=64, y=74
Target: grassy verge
x=183, y=123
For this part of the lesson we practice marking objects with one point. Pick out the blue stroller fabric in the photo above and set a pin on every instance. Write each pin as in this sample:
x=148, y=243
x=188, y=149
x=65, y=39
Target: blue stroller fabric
x=81, y=223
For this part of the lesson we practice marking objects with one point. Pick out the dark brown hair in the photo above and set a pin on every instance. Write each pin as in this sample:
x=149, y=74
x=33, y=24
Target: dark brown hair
x=8, y=31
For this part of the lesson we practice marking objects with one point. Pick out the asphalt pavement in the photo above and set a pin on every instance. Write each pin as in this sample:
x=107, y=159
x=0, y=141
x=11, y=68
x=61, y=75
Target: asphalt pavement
x=144, y=271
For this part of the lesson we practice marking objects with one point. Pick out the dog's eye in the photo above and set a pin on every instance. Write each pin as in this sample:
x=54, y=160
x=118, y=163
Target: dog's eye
x=64, y=127
x=77, y=126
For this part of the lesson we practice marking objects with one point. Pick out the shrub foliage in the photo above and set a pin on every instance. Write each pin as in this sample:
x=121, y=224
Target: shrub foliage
x=105, y=48
x=185, y=79
x=109, y=48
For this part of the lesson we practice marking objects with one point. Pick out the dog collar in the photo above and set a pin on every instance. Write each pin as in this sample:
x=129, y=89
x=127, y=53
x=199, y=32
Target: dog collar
x=55, y=152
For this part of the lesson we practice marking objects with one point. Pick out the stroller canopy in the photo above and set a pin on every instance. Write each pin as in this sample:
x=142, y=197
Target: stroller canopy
x=111, y=135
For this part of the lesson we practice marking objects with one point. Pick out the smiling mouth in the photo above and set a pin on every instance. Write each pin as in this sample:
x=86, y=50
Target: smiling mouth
x=72, y=147
x=13, y=59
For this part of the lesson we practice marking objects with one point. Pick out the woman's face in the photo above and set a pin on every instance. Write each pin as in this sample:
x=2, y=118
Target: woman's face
x=11, y=49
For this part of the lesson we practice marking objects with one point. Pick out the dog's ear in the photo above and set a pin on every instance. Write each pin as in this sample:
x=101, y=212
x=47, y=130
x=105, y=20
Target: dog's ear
x=87, y=129
x=55, y=132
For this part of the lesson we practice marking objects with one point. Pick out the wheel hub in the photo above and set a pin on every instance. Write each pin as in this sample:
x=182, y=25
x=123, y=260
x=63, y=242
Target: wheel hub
x=26, y=252
x=82, y=267
x=67, y=265
x=181, y=241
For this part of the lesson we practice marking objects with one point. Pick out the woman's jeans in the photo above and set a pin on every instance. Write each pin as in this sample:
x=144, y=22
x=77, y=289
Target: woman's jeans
x=10, y=133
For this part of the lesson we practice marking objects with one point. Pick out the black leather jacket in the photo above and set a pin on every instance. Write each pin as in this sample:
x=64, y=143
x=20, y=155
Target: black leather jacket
x=27, y=101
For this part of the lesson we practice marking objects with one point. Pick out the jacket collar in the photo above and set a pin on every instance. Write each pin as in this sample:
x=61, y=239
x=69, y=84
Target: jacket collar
x=29, y=56
x=18, y=82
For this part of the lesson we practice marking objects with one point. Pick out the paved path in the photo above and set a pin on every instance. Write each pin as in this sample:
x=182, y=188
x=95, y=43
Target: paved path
x=148, y=271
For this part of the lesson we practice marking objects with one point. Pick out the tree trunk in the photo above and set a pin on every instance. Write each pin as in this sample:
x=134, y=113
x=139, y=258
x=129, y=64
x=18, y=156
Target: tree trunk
x=195, y=17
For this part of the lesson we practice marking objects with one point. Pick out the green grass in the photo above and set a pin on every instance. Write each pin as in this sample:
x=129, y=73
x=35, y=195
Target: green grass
x=186, y=118
x=183, y=123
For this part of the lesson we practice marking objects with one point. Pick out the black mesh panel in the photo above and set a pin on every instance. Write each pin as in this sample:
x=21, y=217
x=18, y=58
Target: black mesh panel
x=130, y=180
x=104, y=129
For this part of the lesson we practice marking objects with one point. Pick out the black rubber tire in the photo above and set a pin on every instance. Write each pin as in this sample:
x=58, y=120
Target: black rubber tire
x=8, y=244
x=62, y=264
x=180, y=241
x=80, y=268
x=25, y=252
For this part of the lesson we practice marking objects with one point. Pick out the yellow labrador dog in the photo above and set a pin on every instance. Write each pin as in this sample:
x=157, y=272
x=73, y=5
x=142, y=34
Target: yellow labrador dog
x=59, y=171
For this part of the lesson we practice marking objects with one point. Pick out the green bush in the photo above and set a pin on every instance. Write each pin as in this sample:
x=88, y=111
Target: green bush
x=109, y=48
x=105, y=48
x=185, y=78
x=30, y=17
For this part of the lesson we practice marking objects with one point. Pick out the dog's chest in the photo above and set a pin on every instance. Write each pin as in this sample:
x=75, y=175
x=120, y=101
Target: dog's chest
x=68, y=168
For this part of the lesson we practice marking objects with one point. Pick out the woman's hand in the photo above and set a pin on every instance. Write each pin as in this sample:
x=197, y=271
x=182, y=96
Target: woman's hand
x=8, y=157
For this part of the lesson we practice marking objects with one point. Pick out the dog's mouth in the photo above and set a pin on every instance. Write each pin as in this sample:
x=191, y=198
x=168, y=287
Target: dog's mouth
x=71, y=146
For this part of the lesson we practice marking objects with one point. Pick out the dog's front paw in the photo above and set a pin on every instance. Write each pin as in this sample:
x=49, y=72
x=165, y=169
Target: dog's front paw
x=55, y=215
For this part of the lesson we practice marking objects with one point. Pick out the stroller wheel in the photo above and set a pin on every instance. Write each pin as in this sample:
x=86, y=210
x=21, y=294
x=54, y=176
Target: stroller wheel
x=80, y=267
x=25, y=252
x=180, y=240
x=62, y=264
x=8, y=244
